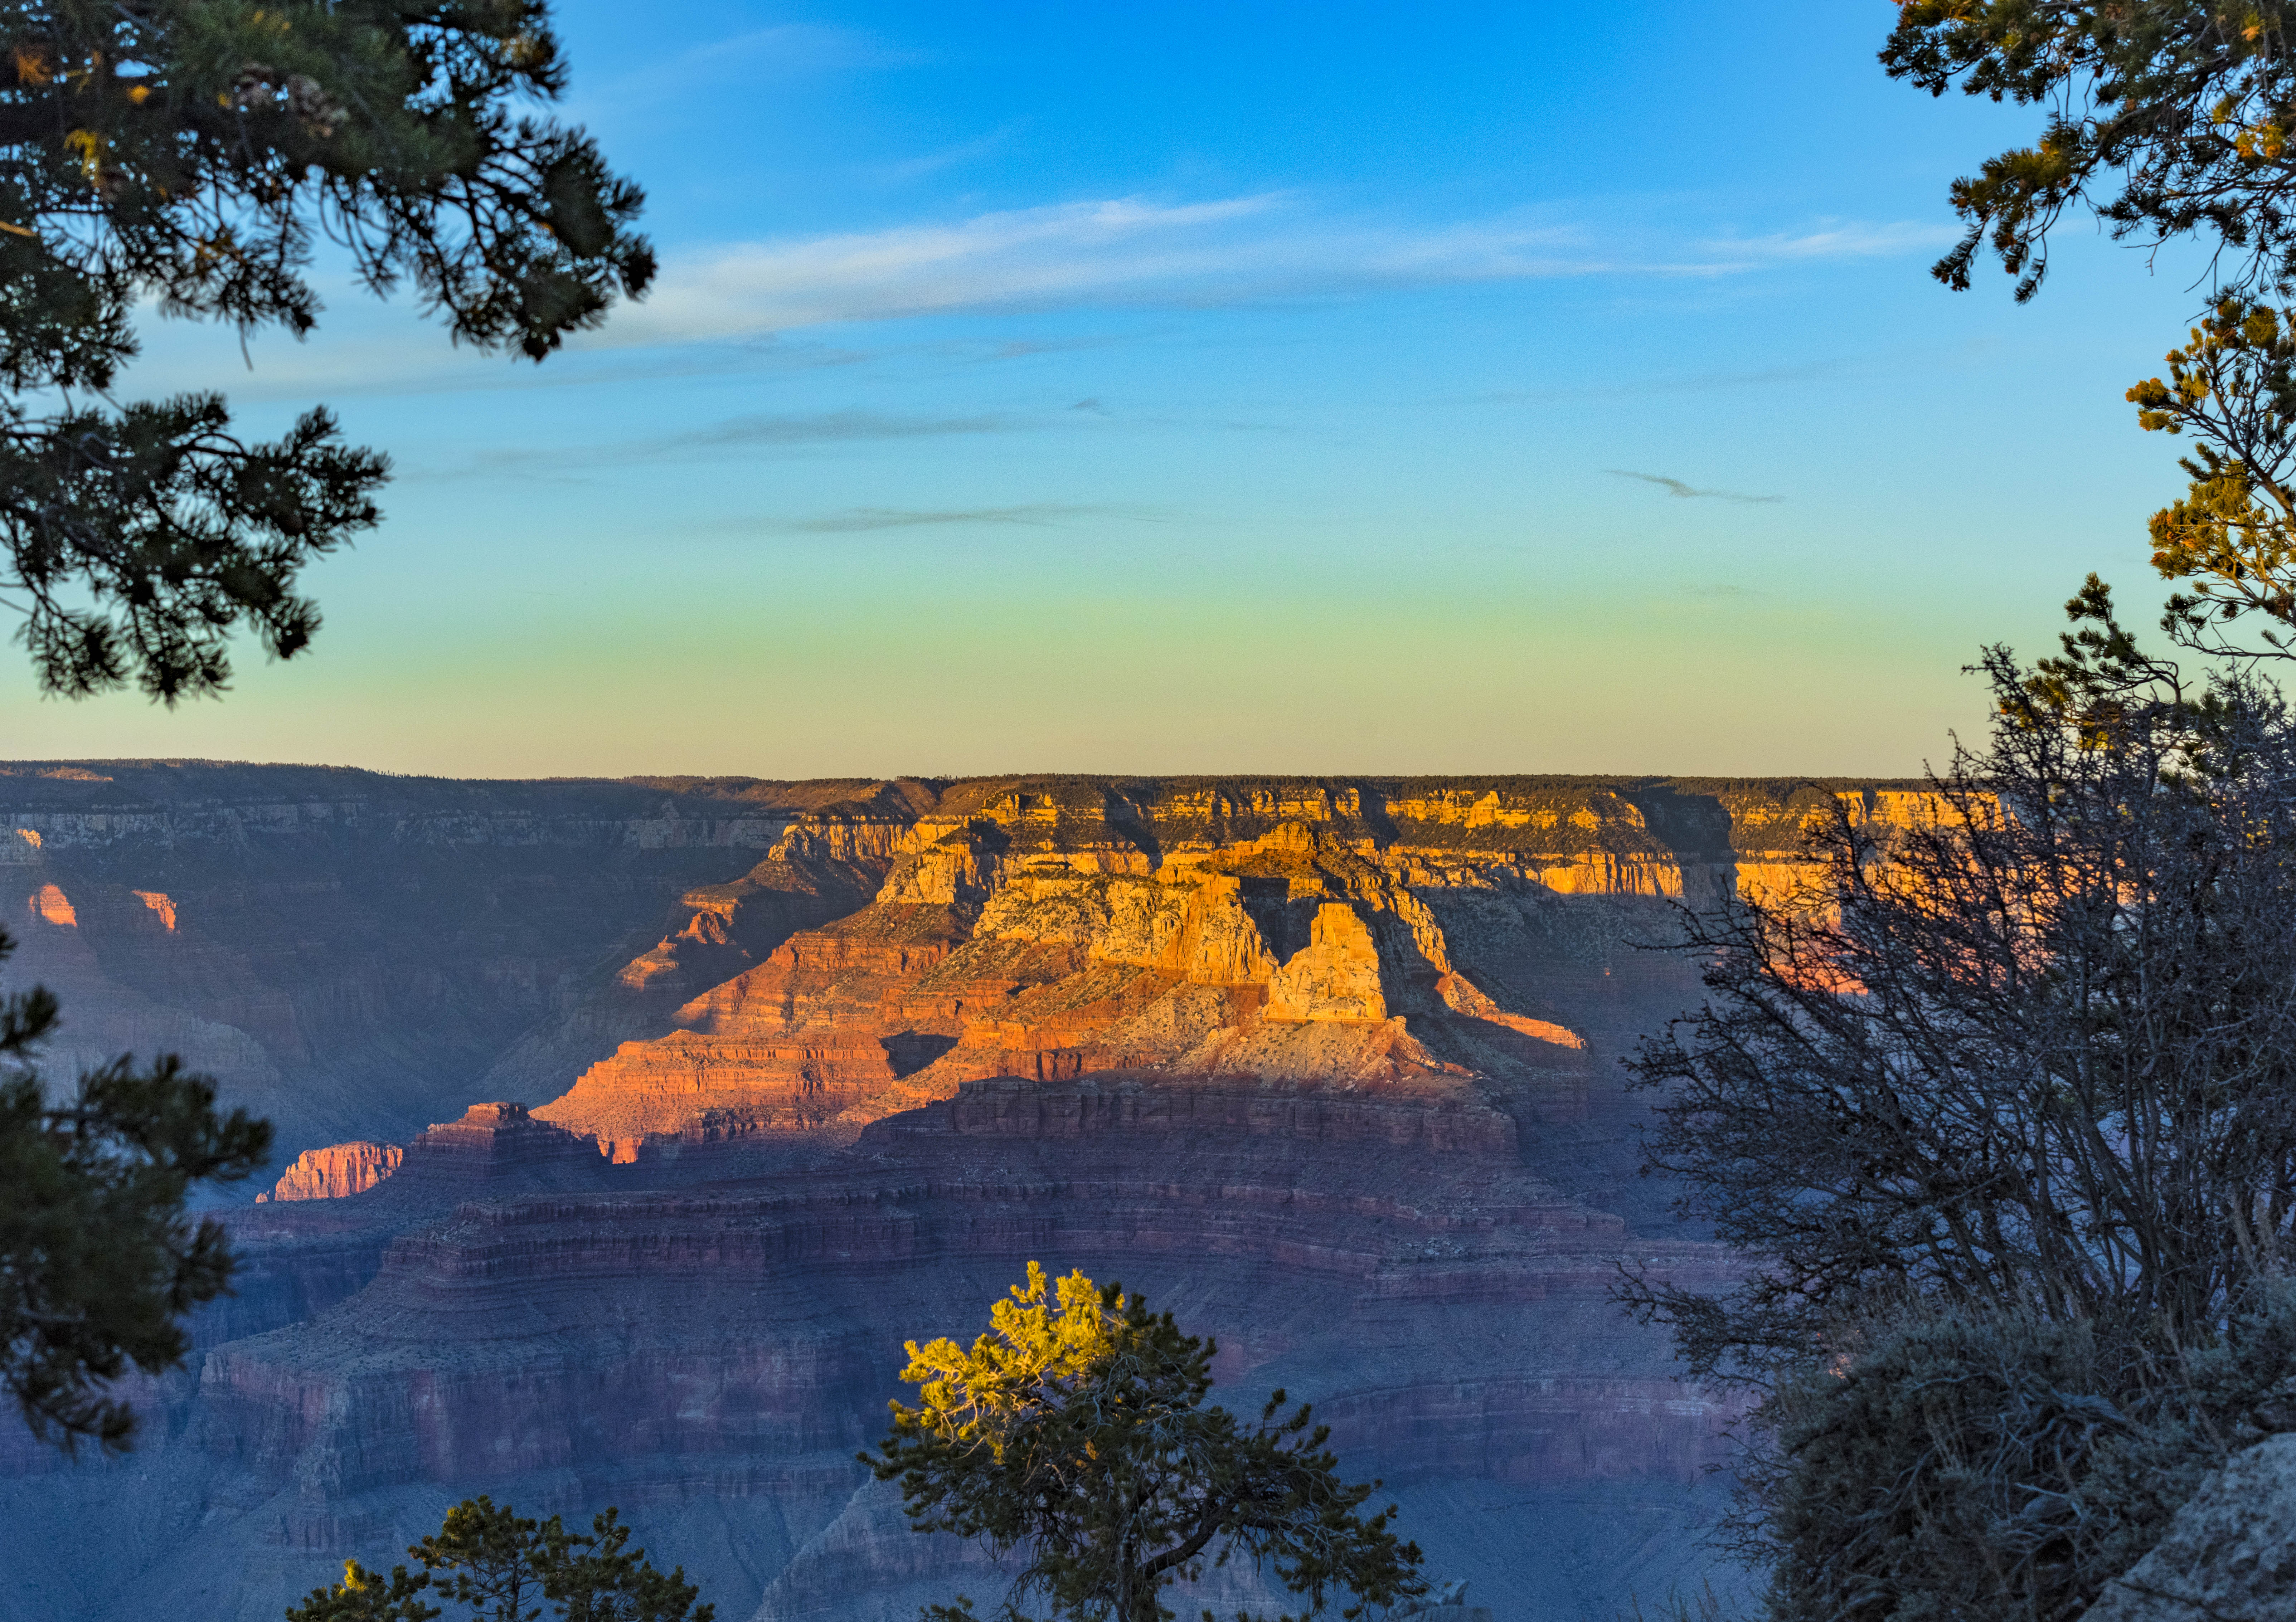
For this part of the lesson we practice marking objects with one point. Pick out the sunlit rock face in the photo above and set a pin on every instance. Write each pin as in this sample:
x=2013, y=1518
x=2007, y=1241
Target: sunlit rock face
x=1307, y=933
x=722, y=1091
x=336, y=1171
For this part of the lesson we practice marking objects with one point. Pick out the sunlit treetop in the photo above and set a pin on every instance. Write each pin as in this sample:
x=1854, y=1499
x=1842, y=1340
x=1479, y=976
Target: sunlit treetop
x=1077, y=1427
x=2233, y=536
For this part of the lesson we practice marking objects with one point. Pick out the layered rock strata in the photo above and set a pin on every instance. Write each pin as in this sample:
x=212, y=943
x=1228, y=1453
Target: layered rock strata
x=699, y=1331
x=336, y=1172
x=346, y=952
x=1326, y=1065
x=1422, y=937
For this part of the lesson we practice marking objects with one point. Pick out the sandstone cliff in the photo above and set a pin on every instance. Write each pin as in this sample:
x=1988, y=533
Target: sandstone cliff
x=336, y=1171
x=1326, y=1065
x=1353, y=935
x=1292, y=933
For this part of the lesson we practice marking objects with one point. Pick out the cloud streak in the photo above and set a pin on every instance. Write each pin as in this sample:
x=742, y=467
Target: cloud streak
x=1035, y=514
x=1835, y=240
x=1681, y=491
x=948, y=157
x=823, y=428
x=733, y=434
x=1128, y=251
x=781, y=52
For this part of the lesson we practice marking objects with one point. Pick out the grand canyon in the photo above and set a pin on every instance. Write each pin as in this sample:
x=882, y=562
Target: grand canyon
x=626, y=1128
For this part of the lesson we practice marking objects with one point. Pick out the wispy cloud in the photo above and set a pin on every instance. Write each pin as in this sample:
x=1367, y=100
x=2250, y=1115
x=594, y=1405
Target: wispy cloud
x=818, y=428
x=786, y=51
x=1826, y=369
x=1035, y=514
x=1266, y=245
x=1016, y=257
x=1022, y=348
x=903, y=170
x=733, y=433
x=1682, y=491
x=1833, y=240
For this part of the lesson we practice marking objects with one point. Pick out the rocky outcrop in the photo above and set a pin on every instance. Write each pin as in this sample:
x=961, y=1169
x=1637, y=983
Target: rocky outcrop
x=490, y=1139
x=63, y=938
x=826, y=865
x=346, y=952
x=1049, y=948
x=1238, y=1112
x=336, y=1171
x=2230, y=1554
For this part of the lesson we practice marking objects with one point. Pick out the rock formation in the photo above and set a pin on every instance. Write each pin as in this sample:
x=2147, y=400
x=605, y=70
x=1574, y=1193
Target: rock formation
x=347, y=952
x=1298, y=932
x=705, y=1339
x=1325, y=1066
x=336, y=1171
x=2230, y=1554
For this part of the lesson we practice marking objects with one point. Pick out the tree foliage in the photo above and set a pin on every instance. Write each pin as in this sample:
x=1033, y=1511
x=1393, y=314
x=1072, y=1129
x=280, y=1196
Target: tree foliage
x=2233, y=387
x=1977, y=1464
x=488, y=1565
x=193, y=153
x=1999, y=1106
x=2000, y=1111
x=2166, y=118
x=2032, y=1053
x=1076, y=1428
x=98, y=1261
x=2229, y=544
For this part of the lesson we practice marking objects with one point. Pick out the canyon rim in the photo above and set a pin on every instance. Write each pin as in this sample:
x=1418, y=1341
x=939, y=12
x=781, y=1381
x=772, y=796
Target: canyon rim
x=627, y=1127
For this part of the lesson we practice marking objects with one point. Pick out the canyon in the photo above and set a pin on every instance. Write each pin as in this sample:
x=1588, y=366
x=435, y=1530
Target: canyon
x=627, y=1128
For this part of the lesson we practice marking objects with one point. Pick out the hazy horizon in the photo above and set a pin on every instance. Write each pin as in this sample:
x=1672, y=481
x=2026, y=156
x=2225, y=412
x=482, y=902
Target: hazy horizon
x=59, y=767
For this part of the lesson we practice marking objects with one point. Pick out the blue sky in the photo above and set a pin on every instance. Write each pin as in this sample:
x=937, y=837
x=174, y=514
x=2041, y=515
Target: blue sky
x=1189, y=388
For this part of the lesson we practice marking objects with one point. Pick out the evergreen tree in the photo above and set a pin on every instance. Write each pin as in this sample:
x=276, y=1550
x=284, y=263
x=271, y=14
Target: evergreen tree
x=2168, y=119
x=2000, y=1108
x=192, y=153
x=98, y=1261
x=1076, y=1428
x=488, y=1565
x=2165, y=117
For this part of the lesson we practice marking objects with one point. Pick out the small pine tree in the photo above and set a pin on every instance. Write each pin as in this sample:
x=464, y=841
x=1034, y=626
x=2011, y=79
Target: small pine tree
x=488, y=1565
x=98, y=1261
x=1077, y=1427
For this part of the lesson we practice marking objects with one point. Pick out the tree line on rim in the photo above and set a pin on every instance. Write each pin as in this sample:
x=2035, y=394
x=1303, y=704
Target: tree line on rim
x=2000, y=1106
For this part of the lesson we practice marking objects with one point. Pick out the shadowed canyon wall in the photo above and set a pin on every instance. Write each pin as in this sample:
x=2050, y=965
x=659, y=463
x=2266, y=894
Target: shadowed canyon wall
x=743, y=1082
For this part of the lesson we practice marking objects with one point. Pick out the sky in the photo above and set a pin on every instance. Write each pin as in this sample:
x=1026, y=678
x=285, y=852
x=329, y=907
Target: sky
x=1343, y=388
